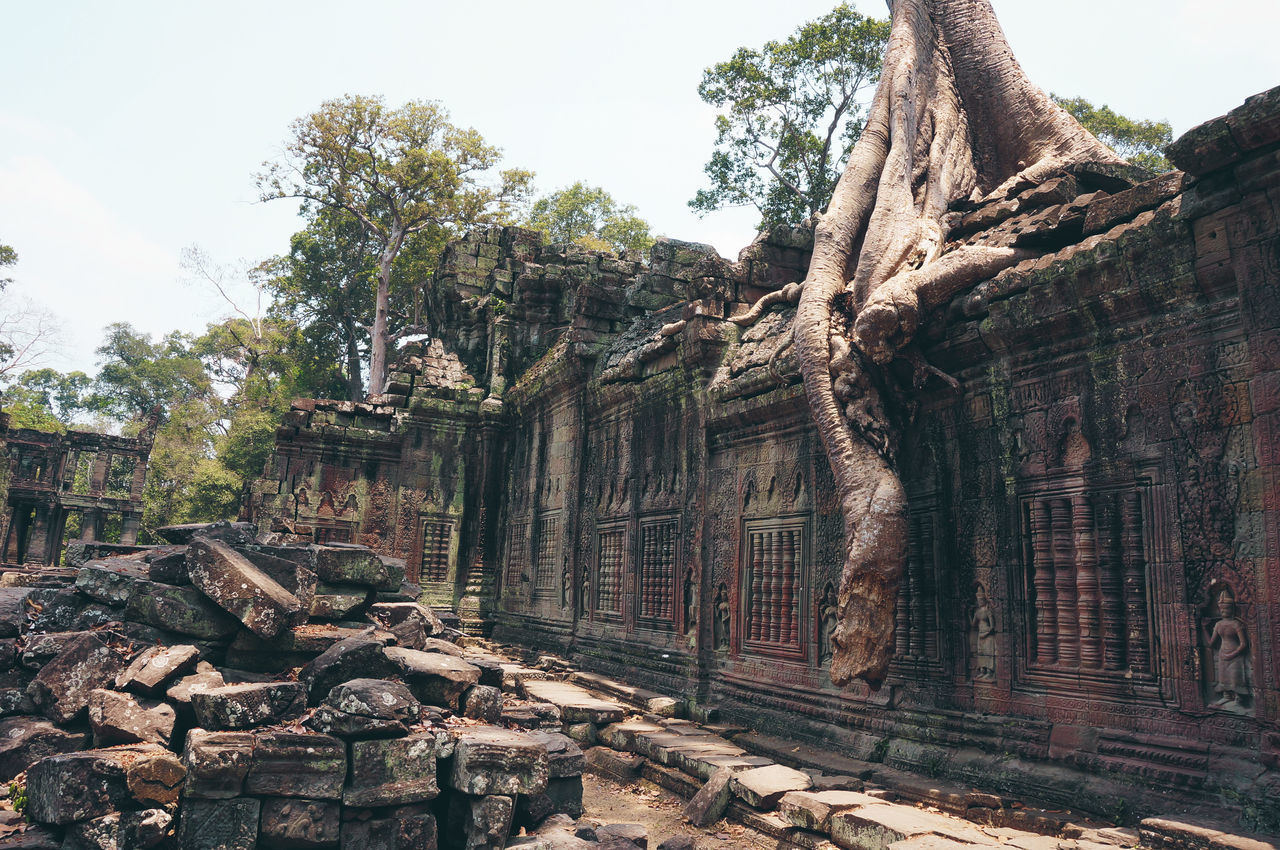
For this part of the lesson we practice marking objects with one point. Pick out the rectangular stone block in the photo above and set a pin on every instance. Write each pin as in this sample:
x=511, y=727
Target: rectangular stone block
x=392, y=772
x=219, y=824
x=290, y=764
x=217, y=763
x=240, y=588
x=490, y=760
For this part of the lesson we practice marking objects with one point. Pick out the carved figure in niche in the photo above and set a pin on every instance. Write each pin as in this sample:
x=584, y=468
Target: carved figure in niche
x=325, y=508
x=828, y=616
x=1075, y=450
x=301, y=499
x=984, y=629
x=566, y=585
x=351, y=506
x=1229, y=643
x=721, y=623
x=690, y=604
x=584, y=603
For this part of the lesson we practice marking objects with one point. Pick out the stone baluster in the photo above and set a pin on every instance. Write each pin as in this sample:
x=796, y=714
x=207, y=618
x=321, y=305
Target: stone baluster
x=1088, y=593
x=757, y=585
x=1109, y=571
x=1135, y=583
x=1042, y=565
x=929, y=590
x=788, y=631
x=915, y=622
x=1065, y=583
x=775, y=585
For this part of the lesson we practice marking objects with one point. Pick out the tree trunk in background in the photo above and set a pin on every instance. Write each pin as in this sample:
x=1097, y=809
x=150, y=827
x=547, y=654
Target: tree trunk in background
x=954, y=117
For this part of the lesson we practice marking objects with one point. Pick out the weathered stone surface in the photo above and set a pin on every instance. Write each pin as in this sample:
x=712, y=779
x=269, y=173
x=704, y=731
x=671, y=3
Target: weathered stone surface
x=293, y=824
x=489, y=760
x=240, y=588
x=155, y=777
x=219, y=824
x=246, y=706
x=392, y=772
x=217, y=763
x=201, y=681
x=13, y=610
x=168, y=565
x=288, y=764
x=340, y=602
x=380, y=698
x=348, y=659
x=532, y=715
x=576, y=704
x=179, y=609
x=763, y=787
x=120, y=831
x=26, y=740
x=39, y=649
x=117, y=718
x=708, y=805
x=563, y=796
x=812, y=810
x=564, y=757
x=62, y=688
x=1105, y=213
x=111, y=581
x=392, y=614
x=155, y=666
x=349, y=565
x=477, y=823
x=620, y=767
x=877, y=827
x=234, y=533
x=81, y=786
x=402, y=832
x=435, y=679
x=481, y=702
x=635, y=833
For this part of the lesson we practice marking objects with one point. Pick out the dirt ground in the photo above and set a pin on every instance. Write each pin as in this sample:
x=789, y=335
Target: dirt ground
x=658, y=809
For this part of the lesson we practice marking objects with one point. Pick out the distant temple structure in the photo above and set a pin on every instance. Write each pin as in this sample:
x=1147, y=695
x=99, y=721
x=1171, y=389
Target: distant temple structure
x=587, y=456
x=89, y=481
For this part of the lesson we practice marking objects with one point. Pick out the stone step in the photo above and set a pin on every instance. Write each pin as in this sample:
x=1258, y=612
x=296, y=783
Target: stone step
x=646, y=700
x=577, y=705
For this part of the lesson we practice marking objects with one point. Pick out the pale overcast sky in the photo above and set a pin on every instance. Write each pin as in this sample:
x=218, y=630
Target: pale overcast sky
x=130, y=130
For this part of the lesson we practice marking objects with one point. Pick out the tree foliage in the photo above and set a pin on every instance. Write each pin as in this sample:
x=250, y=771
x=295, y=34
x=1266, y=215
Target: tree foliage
x=8, y=257
x=589, y=216
x=1140, y=142
x=398, y=172
x=791, y=112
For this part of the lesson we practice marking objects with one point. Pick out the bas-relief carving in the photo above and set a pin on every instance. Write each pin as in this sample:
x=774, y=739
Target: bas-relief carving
x=1228, y=644
x=722, y=619
x=828, y=616
x=984, y=638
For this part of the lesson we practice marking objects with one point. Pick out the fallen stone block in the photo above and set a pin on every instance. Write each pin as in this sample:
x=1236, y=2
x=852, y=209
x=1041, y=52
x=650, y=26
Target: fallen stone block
x=620, y=767
x=155, y=777
x=352, y=658
x=120, y=831
x=576, y=704
x=167, y=565
x=219, y=824
x=477, y=823
x=246, y=706
x=433, y=678
x=392, y=614
x=26, y=740
x=483, y=703
x=532, y=715
x=240, y=588
x=340, y=601
x=403, y=832
x=392, y=772
x=62, y=789
x=217, y=763
x=489, y=760
x=813, y=809
x=349, y=565
x=564, y=757
x=762, y=787
x=366, y=708
x=179, y=609
x=708, y=805
x=61, y=689
x=296, y=646
x=180, y=692
x=13, y=610
x=878, y=826
x=622, y=736
x=236, y=533
x=149, y=672
x=117, y=718
x=111, y=582
x=563, y=796
x=292, y=824
x=39, y=649
x=636, y=833
x=290, y=764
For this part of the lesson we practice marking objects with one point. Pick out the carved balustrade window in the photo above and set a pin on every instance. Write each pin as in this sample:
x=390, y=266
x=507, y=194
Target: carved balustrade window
x=1086, y=583
x=437, y=535
x=773, y=580
x=916, y=627
x=657, y=574
x=517, y=552
x=611, y=565
x=548, y=548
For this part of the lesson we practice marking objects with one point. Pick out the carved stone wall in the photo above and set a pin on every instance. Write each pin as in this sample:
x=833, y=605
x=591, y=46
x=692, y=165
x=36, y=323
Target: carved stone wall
x=1094, y=556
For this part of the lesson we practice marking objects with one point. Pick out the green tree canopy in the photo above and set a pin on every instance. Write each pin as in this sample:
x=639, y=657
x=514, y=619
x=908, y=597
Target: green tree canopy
x=791, y=112
x=1140, y=142
x=398, y=172
x=8, y=257
x=136, y=375
x=590, y=217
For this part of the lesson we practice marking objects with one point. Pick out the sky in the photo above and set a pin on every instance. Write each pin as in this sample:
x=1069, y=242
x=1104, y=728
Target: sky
x=130, y=131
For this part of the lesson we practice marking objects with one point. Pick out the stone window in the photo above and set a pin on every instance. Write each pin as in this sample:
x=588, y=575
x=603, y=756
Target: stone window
x=658, y=571
x=773, y=577
x=916, y=626
x=517, y=552
x=1086, y=582
x=548, y=547
x=611, y=562
x=437, y=535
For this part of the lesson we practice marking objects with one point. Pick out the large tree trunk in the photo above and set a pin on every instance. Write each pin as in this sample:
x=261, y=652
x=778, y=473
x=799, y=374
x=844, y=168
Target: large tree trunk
x=380, y=337
x=954, y=117
x=355, y=381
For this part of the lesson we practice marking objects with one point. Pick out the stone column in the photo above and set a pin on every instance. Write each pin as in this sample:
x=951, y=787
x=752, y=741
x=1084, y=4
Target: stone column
x=129, y=529
x=90, y=525
x=38, y=542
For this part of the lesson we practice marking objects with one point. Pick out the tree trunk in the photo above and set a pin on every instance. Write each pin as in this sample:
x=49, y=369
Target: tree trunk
x=355, y=381
x=954, y=117
x=380, y=337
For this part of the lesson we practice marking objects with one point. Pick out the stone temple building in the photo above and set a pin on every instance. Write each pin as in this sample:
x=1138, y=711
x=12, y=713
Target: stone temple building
x=588, y=457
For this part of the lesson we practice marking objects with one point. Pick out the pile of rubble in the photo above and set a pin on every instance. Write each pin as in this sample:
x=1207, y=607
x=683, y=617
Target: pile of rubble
x=230, y=691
